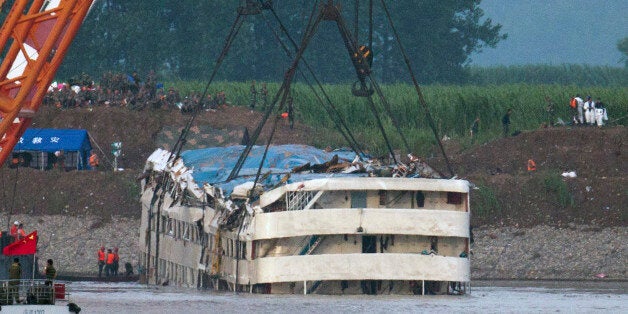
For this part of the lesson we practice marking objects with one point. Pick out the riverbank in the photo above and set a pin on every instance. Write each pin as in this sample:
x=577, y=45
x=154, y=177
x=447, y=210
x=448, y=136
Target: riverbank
x=577, y=252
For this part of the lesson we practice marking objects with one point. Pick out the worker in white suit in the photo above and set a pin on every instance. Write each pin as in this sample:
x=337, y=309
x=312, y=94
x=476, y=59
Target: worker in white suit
x=589, y=111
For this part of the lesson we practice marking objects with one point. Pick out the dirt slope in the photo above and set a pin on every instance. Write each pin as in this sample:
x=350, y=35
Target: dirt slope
x=596, y=196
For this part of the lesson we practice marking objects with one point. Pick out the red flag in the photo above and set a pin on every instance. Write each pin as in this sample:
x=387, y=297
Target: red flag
x=25, y=246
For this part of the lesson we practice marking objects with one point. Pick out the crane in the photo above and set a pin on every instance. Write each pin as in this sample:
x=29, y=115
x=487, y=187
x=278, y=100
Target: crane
x=34, y=37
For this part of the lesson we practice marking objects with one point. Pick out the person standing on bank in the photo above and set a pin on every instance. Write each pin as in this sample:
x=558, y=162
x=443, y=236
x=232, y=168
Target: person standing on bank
x=253, y=96
x=116, y=261
x=264, y=93
x=101, y=260
x=21, y=234
x=475, y=127
x=506, y=122
x=13, y=230
x=109, y=266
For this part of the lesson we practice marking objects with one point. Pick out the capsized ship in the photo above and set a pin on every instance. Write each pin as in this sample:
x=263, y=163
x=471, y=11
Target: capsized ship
x=313, y=222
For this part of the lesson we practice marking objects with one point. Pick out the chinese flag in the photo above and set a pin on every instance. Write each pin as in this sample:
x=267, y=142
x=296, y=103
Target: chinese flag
x=25, y=246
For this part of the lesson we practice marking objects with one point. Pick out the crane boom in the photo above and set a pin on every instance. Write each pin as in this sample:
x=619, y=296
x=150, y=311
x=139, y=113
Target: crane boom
x=35, y=37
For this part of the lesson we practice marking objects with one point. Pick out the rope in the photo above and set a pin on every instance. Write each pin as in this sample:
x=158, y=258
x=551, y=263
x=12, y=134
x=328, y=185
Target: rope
x=418, y=89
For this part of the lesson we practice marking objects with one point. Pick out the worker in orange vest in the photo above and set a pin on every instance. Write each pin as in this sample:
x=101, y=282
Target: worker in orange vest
x=93, y=161
x=21, y=234
x=101, y=260
x=531, y=165
x=109, y=260
x=13, y=230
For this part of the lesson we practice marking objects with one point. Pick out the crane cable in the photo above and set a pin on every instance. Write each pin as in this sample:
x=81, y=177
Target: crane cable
x=328, y=106
x=235, y=28
x=418, y=89
x=350, y=44
x=332, y=108
x=174, y=155
x=312, y=26
x=374, y=84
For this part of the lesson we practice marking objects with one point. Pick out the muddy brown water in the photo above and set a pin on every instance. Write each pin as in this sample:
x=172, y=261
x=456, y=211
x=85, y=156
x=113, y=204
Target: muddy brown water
x=485, y=297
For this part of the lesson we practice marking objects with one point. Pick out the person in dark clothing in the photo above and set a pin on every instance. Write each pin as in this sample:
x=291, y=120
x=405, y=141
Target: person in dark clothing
x=291, y=111
x=506, y=122
x=50, y=272
x=264, y=93
x=475, y=127
x=253, y=96
x=15, y=274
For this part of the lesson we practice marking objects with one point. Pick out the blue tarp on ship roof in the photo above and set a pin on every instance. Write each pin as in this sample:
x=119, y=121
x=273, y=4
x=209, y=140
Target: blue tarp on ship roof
x=52, y=140
x=213, y=165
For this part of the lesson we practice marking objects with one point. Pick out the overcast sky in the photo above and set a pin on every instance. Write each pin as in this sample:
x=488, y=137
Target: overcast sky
x=556, y=32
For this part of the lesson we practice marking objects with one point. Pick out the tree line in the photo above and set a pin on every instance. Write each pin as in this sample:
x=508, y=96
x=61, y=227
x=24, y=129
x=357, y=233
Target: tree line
x=182, y=39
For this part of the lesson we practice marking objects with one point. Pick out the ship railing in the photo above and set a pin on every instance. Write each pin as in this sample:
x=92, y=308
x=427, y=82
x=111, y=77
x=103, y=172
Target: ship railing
x=301, y=200
x=31, y=291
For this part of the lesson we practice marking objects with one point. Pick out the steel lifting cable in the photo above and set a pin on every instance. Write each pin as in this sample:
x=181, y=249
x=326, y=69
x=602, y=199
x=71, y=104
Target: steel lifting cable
x=370, y=25
x=356, y=24
x=287, y=79
x=247, y=149
x=374, y=84
x=290, y=73
x=349, y=44
x=235, y=28
x=331, y=108
x=332, y=112
x=320, y=86
x=418, y=89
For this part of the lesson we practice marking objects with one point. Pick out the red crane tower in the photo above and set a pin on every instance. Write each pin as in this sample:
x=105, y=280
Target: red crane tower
x=35, y=37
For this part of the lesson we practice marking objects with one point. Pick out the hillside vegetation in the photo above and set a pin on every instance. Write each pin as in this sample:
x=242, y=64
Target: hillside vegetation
x=506, y=193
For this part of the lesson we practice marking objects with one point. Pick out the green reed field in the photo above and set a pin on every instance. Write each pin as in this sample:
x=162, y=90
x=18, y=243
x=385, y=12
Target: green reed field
x=453, y=108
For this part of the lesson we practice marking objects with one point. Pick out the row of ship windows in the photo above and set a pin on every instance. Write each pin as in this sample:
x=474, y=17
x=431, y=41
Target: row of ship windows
x=178, y=229
x=191, y=232
x=171, y=271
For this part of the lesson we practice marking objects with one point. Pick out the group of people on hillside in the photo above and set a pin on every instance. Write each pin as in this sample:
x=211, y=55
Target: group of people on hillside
x=585, y=112
x=588, y=112
x=475, y=127
x=125, y=90
x=263, y=92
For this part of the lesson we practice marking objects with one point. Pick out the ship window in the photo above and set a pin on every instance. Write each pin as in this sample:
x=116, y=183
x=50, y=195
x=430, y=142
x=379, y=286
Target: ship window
x=454, y=198
x=358, y=199
x=186, y=231
x=383, y=197
x=420, y=199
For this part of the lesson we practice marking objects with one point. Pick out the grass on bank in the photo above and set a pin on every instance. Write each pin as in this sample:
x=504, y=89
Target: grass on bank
x=453, y=109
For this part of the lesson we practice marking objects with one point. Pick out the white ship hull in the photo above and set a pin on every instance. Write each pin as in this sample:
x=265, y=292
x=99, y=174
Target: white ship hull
x=352, y=235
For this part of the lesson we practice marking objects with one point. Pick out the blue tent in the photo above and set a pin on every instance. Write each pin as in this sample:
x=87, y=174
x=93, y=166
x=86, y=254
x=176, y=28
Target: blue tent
x=41, y=148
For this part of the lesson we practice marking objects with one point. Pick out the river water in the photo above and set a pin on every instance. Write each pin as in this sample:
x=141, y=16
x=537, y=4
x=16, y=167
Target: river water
x=485, y=297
